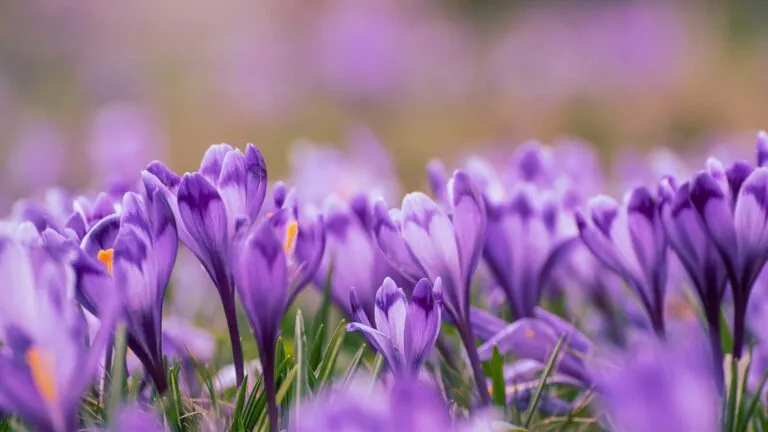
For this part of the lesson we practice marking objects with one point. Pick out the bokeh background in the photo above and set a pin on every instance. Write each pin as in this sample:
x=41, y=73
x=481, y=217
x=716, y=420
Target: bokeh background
x=92, y=90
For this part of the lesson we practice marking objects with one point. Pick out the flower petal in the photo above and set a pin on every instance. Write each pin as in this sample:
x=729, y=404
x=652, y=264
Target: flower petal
x=212, y=162
x=204, y=215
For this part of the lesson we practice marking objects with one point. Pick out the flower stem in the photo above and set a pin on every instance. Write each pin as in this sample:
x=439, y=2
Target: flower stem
x=268, y=366
x=474, y=360
x=234, y=337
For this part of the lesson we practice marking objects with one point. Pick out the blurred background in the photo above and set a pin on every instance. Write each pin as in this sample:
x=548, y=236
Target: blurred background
x=92, y=90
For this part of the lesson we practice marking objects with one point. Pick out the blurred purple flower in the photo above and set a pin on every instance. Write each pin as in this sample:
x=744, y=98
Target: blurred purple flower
x=133, y=256
x=404, y=332
x=39, y=157
x=364, y=167
x=661, y=387
x=134, y=418
x=525, y=241
x=124, y=138
x=271, y=264
x=210, y=206
x=360, y=50
x=629, y=240
x=409, y=406
x=352, y=258
x=44, y=367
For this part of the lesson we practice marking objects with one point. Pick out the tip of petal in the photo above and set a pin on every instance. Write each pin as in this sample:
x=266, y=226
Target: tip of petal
x=703, y=189
x=641, y=201
x=762, y=148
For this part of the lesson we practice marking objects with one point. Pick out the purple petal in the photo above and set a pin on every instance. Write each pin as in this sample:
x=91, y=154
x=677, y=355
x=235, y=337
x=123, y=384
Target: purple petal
x=232, y=187
x=212, y=162
x=751, y=225
x=165, y=238
x=469, y=223
x=260, y=272
x=762, y=148
x=391, y=313
x=256, y=181
x=711, y=203
x=204, y=215
x=422, y=325
x=390, y=241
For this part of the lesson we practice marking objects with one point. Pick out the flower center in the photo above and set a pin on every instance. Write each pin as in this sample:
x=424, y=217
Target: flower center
x=291, y=232
x=107, y=256
x=41, y=365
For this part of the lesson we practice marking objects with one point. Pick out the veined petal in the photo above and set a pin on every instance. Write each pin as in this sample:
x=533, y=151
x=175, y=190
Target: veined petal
x=204, y=215
x=422, y=323
x=389, y=238
x=213, y=160
x=232, y=186
x=256, y=181
x=751, y=224
x=379, y=340
x=762, y=148
x=165, y=238
x=260, y=272
x=711, y=203
x=469, y=220
x=391, y=312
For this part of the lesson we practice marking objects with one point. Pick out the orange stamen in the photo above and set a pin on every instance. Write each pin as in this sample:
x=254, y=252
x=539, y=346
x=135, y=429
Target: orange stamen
x=107, y=257
x=41, y=366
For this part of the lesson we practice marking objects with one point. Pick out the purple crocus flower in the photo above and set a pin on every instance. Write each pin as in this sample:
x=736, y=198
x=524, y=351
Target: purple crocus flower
x=404, y=332
x=136, y=250
x=408, y=406
x=732, y=205
x=629, y=240
x=525, y=240
x=424, y=240
x=687, y=236
x=352, y=258
x=661, y=387
x=45, y=367
x=210, y=206
x=134, y=418
x=271, y=264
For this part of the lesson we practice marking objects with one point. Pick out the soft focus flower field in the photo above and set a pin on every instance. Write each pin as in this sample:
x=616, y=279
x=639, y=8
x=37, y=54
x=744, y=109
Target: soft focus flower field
x=418, y=263
x=512, y=296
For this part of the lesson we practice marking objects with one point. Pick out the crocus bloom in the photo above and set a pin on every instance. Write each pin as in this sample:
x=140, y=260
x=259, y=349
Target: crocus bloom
x=210, y=206
x=271, y=263
x=45, y=367
x=430, y=242
x=409, y=406
x=404, y=332
x=687, y=236
x=525, y=240
x=352, y=258
x=136, y=253
x=629, y=240
x=733, y=206
x=663, y=388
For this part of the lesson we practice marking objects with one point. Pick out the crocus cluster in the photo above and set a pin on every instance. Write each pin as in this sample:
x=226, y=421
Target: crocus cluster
x=509, y=274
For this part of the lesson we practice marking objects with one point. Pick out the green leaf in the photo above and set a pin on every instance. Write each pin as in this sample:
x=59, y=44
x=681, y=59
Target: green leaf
x=496, y=369
x=316, y=352
x=206, y=377
x=378, y=363
x=239, y=406
x=286, y=384
x=725, y=335
x=354, y=364
x=730, y=411
x=257, y=402
x=321, y=317
x=117, y=382
x=328, y=364
x=176, y=405
x=750, y=409
x=543, y=382
x=301, y=385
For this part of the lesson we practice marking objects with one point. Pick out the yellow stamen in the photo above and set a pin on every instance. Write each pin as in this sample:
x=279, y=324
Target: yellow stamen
x=107, y=257
x=291, y=231
x=530, y=334
x=42, y=366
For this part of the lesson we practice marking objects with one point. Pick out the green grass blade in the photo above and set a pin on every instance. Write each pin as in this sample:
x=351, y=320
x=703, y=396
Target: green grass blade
x=301, y=384
x=730, y=411
x=316, y=352
x=725, y=333
x=543, y=382
x=328, y=364
x=257, y=401
x=176, y=402
x=753, y=404
x=354, y=364
x=286, y=385
x=496, y=371
x=239, y=405
x=378, y=363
